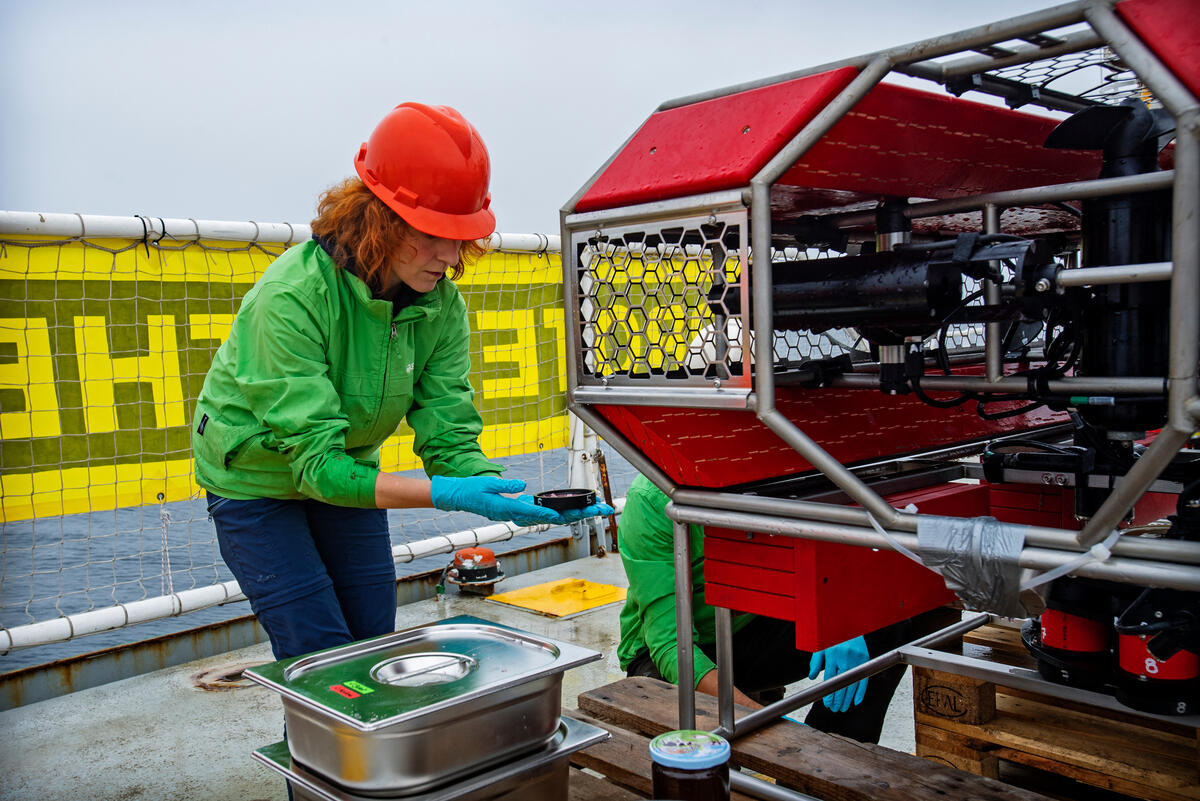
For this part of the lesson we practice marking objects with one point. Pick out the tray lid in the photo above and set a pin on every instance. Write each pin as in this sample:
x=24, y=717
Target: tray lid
x=395, y=677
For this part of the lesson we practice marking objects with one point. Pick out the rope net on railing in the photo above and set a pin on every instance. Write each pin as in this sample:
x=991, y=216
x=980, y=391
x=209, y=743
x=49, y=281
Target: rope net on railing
x=104, y=346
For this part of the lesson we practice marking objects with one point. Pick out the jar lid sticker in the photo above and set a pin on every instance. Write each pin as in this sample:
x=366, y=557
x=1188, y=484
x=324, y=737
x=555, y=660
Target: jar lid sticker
x=689, y=749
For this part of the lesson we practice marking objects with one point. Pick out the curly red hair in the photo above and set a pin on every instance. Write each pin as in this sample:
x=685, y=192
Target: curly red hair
x=369, y=234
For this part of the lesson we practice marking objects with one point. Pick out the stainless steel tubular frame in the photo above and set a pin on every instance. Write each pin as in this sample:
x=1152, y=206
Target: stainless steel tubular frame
x=962, y=41
x=1185, y=318
x=1118, y=274
x=682, y=398
x=1144, y=572
x=724, y=634
x=1031, y=196
x=1184, y=324
x=1073, y=42
x=771, y=713
x=757, y=788
x=993, y=357
x=683, y=626
x=857, y=521
x=1083, y=385
x=760, y=235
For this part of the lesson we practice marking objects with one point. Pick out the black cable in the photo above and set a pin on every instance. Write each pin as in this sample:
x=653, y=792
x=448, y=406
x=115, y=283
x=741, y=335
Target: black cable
x=1008, y=413
x=939, y=404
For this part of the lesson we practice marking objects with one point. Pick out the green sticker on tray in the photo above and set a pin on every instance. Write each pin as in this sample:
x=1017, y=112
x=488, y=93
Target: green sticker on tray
x=358, y=687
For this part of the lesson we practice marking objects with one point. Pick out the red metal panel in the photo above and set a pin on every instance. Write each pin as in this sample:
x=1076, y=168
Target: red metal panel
x=721, y=448
x=832, y=591
x=716, y=144
x=1054, y=506
x=853, y=590
x=750, y=600
x=896, y=141
x=770, y=551
x=760, y=578
x=1171, y=28
x=906, y=142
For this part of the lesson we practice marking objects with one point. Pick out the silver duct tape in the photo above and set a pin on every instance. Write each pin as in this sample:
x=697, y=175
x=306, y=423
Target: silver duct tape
x=978, y=559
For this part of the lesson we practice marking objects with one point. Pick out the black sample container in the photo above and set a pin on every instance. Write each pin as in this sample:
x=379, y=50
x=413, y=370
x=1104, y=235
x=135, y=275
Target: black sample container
x=563, y=499
x=690, y=765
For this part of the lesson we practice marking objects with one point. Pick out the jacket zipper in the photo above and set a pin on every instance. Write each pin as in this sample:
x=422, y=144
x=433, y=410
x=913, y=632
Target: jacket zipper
x=387, y=363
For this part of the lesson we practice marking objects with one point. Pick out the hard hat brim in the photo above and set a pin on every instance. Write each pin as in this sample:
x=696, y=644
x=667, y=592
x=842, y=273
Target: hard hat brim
x=463, y=227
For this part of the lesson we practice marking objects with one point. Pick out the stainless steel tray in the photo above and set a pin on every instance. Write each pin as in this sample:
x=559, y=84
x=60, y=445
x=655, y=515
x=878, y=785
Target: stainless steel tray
x=540, y=776
x=409, y=711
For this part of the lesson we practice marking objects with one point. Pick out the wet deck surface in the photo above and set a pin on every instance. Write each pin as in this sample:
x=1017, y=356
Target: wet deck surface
x=160, y=736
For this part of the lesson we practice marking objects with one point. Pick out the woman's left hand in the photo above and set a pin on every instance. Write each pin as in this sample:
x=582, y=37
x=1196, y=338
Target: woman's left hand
x=485, y=495
x=594, y=510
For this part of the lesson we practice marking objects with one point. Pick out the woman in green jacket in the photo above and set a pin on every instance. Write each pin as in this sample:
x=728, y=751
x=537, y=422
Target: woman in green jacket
x=341, y=339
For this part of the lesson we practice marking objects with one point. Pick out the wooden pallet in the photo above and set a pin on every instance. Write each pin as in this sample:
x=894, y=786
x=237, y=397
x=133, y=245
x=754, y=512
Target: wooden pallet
x=823, y=765
x=586, y=787
x=977, y=726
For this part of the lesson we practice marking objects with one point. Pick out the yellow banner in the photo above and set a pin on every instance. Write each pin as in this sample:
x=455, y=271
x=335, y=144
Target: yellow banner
x=104, y=345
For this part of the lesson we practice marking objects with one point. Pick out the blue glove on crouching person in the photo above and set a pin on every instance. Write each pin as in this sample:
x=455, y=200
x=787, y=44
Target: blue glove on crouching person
x=835, y=661
x=488, y=496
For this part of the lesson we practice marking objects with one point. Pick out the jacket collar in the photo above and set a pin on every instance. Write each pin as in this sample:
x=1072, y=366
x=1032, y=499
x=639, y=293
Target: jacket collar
x=412, y=306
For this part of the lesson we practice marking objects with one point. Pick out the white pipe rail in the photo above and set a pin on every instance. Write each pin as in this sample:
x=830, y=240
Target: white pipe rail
x=155, y=229
x=69, y=627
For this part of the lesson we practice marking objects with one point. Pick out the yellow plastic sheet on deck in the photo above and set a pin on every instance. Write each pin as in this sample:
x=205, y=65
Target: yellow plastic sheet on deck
x=562, y=598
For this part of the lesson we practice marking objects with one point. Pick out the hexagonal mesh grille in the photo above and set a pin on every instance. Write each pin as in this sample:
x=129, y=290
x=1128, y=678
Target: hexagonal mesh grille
x=793, y=348
x=662, y=304
x=653, y=301
x=1096, y=74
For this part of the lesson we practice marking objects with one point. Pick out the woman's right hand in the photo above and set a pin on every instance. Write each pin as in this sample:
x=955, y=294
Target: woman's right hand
x=485, y=495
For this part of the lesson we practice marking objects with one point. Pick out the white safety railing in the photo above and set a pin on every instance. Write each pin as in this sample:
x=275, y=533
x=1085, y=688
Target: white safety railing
x=106, y=333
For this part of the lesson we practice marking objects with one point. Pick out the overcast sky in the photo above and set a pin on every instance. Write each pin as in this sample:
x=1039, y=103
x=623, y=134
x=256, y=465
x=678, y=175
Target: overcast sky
x=247, y=110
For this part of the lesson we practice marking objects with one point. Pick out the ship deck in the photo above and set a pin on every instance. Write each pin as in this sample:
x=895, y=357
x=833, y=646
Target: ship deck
x=162, y=735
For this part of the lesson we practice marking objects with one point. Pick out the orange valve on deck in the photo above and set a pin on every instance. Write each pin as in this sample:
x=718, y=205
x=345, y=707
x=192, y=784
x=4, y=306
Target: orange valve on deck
x=474, y=570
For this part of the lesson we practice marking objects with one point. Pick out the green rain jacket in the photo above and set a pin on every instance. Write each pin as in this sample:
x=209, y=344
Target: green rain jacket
x=648, y=618
x=317, y=373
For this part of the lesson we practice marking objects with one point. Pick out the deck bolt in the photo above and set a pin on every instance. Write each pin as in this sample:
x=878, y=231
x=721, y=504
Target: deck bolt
x=1042, y=285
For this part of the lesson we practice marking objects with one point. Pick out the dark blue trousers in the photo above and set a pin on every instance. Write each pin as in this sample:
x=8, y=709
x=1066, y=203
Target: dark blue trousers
x=317, y=575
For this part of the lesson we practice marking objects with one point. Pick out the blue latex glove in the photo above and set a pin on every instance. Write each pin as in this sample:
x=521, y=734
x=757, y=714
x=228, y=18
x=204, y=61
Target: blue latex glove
x=794, y=720
x=835, y=661
x=482, y=495
x=594, y=510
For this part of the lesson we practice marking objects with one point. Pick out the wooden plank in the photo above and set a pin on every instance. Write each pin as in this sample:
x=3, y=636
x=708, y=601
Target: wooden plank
x=1088, y=747
x=824, y=765
x=1000, y=638
x=1099, y=780
x=960, y=698
x=956, y=751
x=624, y=759
x=1002, y=644
x=586, y=787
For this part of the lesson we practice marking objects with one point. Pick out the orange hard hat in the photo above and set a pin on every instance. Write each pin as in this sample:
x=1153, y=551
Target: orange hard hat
x=430, y=166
